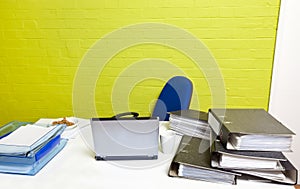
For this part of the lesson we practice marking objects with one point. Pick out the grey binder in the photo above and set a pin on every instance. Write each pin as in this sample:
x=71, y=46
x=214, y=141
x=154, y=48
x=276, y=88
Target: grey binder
x=250, y=129
x=126, y=138
x=193, y=161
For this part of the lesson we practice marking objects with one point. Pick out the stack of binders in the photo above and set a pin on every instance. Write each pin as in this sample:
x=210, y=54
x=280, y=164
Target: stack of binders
x=252, y=143
x=191, y=123
x=27, y=149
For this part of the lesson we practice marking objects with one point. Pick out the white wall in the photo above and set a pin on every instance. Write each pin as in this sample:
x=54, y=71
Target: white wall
x=285, y=89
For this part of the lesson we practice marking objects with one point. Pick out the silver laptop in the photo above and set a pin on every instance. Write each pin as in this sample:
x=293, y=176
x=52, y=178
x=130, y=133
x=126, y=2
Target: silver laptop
x=126, y=138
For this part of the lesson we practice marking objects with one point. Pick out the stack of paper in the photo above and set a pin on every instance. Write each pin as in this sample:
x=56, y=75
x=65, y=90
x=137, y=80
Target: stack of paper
x=191, y=123
x=246, y=160
x=261, y=142
x=232, y=162
x=29, y=148
x=205, y=174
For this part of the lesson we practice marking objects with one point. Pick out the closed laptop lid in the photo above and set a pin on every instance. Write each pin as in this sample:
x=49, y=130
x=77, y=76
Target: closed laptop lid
x=126, y=138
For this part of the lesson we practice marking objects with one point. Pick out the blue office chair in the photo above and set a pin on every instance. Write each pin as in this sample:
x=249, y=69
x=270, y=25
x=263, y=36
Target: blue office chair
x=176, y=95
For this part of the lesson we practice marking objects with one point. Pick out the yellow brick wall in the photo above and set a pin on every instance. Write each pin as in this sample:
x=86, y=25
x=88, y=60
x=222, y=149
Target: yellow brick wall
x=43, y=42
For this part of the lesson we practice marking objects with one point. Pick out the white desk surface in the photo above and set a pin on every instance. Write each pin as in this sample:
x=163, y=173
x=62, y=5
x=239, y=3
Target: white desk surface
x=75, y=167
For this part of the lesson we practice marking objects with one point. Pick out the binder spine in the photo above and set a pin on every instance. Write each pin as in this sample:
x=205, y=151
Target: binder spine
x=224, y=135
x=218, y=127
x=214, y=122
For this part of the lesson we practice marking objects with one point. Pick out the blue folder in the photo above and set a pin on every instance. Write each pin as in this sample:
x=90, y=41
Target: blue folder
x=35, y=155
x=32, y=169
x=23, y=150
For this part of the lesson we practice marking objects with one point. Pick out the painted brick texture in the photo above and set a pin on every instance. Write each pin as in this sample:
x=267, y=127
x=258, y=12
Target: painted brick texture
x=43, y=42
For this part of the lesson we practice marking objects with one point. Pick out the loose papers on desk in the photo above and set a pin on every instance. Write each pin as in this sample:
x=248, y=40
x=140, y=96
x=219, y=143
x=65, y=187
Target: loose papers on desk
x=28, y=138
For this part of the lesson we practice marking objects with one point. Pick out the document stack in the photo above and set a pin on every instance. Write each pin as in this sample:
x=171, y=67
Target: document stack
x=190, y=122
x=27, y=149
x=252, y=143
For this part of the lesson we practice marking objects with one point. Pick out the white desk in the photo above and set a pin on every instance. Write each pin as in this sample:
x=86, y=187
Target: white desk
x=75, y=167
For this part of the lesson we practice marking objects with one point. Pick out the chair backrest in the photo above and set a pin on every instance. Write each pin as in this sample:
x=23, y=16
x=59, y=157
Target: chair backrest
x=176, y=95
